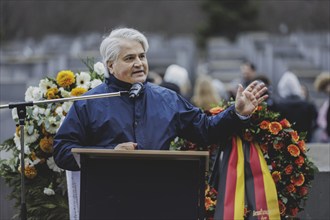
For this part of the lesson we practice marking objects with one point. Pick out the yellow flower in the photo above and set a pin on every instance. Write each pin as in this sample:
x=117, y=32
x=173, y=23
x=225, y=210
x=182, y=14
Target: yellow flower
x=78, y=91
x=52, y=93
x=65, y=78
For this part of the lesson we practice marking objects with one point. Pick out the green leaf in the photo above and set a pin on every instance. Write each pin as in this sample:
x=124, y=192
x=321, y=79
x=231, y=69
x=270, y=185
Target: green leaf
x=49, y=206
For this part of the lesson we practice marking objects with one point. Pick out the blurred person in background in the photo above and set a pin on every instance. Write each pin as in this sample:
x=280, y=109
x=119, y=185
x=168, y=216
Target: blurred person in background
x=248, y=72
x=322, y=84
x=305, y=91
x=178, y=76
x=271, y=102
x=293, y=106
x=221, y=89
x=205, y=95
x=154, y=77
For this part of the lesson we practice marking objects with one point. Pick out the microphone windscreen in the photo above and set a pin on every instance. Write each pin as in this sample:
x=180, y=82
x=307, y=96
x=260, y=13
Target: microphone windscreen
x=135, y=90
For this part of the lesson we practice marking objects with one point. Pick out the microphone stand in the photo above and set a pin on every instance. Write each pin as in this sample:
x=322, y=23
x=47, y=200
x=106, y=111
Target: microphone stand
x=21, y=111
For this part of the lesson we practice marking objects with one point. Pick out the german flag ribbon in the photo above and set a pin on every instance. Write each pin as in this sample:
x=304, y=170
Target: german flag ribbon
x=245, y=184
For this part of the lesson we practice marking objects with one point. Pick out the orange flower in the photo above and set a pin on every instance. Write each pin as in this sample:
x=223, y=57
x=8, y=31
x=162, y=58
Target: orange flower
x=299, y=161
x=65, y=78
x=264, y=148
x=275, y=127
x=259, y=108
x=285, y=123
x=299, y=180
x=278, y=145
x=78, y=91
x=209, y=203
x=46, y=144
x=216, y=110
x=302, y=146
x=276, y=176
x=264, y=125
x=303, y=191
x=52, y=93
x=288, y=169
x=294, y=136
x=43, y=130
x=290, y=188
x=282, y=207
x=33, y=156
x=29, y=171
x=293, y=150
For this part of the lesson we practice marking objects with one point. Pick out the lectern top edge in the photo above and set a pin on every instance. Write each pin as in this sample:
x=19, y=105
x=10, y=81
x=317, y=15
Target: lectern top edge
x=139, y=152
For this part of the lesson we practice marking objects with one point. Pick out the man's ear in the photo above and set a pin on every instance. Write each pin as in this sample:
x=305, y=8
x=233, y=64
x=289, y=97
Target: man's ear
x=110, y=66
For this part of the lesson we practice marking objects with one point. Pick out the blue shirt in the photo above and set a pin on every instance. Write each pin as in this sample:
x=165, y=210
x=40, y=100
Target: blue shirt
x=151, y=120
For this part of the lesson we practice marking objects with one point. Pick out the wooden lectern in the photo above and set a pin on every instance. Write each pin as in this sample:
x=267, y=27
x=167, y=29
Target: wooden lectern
x=142, y=184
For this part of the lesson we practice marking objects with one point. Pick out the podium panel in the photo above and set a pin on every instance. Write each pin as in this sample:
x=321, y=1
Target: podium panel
x=142, y=185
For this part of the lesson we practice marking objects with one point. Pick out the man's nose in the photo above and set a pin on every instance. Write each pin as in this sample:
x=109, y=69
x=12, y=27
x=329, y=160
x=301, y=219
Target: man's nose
x=137, y=62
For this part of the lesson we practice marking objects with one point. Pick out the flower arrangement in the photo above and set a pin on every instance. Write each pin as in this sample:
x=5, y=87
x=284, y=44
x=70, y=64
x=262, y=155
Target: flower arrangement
x=284, y=151
x=46, y=193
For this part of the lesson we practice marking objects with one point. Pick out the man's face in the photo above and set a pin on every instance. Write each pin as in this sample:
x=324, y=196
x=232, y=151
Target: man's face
x=247, y=72
x=131, y=65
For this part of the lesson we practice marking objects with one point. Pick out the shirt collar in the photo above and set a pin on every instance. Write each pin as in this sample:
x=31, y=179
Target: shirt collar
x=121, y=85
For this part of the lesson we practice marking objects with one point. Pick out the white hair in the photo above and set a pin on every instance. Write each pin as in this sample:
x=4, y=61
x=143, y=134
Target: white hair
x=289, y=85
x=110, y=46
x=179, y=76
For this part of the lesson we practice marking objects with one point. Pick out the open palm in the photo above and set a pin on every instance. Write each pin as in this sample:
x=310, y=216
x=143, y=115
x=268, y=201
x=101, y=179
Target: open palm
x=249, y=98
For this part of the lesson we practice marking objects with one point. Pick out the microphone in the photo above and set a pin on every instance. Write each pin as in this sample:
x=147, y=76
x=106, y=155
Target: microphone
x=135, y=90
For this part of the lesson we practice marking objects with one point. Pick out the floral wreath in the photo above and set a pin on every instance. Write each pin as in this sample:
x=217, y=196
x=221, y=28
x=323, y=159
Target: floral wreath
x=284, y=151
x=46, y=189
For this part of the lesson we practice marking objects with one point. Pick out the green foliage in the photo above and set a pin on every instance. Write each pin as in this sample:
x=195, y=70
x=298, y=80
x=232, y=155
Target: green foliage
x=228, y=18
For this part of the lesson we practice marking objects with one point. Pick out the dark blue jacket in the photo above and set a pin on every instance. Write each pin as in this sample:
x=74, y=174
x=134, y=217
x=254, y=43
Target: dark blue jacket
x=152, y=120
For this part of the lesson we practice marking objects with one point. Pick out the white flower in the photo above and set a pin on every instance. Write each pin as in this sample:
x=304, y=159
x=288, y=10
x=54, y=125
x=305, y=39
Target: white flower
x=99, y=68
x=33, y=94
x=64, y=93
x=49, y=191
x=17, y=141
x=36, y=161
x=30, y=136
x=83, y=80
x=46, y=84
x=51, y=124
x=38, y=111
x=59, y=111
x=14, y=114
x=47, y=112
x=52, y=165
x=66, y=106
x=95, y=83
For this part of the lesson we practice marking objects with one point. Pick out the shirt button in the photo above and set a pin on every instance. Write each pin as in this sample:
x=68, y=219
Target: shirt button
x=135, y=123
